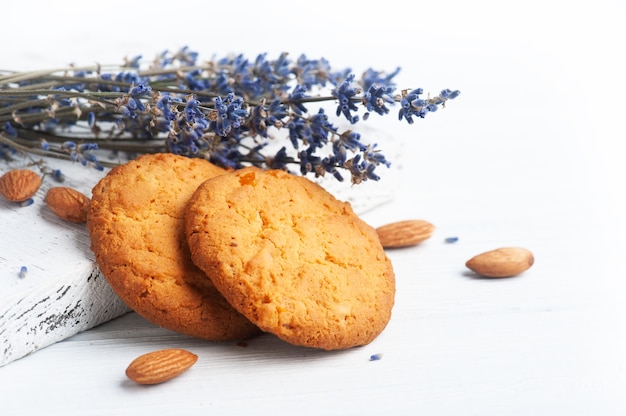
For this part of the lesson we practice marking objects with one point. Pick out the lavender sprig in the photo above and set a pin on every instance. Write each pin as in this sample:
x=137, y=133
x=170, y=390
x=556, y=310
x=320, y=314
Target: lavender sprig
x=231, y=111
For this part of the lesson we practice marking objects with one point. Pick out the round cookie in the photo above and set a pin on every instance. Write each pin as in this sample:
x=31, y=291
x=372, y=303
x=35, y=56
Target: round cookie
x=290, y=257
x=136, y=225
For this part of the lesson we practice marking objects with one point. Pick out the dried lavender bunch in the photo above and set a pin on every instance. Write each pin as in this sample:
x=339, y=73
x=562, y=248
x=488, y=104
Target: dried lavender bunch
x=231, y=111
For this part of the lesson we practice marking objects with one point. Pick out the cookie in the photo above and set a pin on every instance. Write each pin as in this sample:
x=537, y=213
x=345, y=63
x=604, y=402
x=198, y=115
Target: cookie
x=136, y=226
x=292, y=258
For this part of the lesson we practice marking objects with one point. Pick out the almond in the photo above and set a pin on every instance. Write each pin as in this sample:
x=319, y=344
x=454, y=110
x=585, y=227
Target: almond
x=19, y=184
x=404, y=233
x=501, y=262
x=159, y=366
x=68, y=203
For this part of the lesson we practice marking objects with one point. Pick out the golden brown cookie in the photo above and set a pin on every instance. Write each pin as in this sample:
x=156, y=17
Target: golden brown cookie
x=136, y=225
x=291, y=258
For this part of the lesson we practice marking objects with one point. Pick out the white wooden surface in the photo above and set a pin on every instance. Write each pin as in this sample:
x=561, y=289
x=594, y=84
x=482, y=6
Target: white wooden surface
x=62, y=292
x=530, y=154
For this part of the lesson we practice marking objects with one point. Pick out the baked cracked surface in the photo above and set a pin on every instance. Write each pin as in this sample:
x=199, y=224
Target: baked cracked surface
x=136, y=225
x=290, y=257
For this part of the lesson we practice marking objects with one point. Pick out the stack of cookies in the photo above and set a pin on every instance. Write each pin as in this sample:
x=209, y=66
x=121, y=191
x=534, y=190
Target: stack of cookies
x=224, y=255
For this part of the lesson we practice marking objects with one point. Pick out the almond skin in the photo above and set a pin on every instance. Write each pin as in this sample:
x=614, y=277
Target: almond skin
x=501, y=262
x=68, y=204
x=160, y=366
x=19, y=184
x=404, y=233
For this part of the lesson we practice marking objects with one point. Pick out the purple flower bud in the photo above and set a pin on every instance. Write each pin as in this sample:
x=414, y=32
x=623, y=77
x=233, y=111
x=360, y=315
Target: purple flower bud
x=91, y=119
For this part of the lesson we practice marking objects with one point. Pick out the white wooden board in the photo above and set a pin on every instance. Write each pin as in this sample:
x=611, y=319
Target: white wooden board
x=63, y=292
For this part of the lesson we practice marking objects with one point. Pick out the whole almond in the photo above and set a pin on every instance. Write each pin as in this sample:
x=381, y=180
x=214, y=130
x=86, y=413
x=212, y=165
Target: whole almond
x=404, y=233
x=160, y=366
x=68, y=203
x=501, y=262
x=19, y=184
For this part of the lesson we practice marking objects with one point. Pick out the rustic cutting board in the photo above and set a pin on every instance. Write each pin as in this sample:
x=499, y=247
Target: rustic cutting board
x=63, y=292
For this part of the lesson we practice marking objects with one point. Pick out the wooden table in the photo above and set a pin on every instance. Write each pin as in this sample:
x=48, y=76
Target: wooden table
x=550, y=340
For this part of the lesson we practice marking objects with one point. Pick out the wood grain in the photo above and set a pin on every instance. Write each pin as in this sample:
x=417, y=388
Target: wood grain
x=62, y=293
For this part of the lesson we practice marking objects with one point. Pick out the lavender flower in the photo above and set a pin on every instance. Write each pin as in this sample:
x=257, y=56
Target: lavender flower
x=23, y=272
x=345, y=94
x=228, y=110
